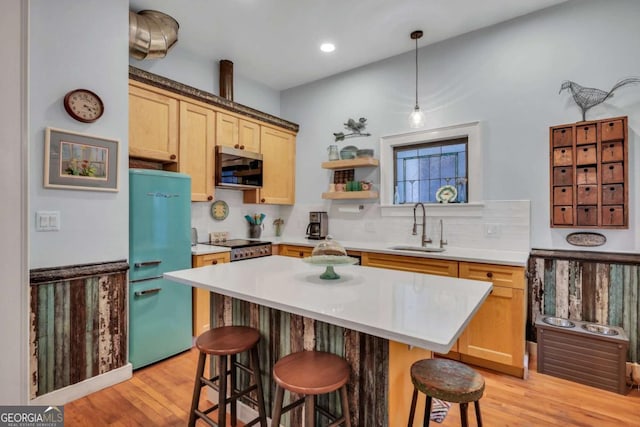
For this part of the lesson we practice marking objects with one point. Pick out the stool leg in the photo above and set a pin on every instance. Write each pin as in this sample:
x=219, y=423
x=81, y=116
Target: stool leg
x=232, y=388
x=412, y=411
x=478, y=416
x=427, y=412
x=277, y=407
x=345, y=406
x=463, y=414
x=310, y=410
x=197, y=388
x=254, y=360
x=222, y=392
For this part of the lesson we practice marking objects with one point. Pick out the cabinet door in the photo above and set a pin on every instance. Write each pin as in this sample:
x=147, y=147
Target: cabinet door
x=295, y=251
x=496, y=332
x=197, y=145
x=227, y=130
x=279, y=169
x=249, y=136
x=438, y=267
x=201, y=297
x=153, y=125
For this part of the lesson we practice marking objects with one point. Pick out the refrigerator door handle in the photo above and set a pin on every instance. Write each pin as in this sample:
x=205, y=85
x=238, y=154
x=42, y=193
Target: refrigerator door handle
x=146, y=280
x=147, y=292
x=146, y=263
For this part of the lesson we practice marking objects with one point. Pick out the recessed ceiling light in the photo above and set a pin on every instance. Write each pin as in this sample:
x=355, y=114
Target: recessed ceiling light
x=327, y=47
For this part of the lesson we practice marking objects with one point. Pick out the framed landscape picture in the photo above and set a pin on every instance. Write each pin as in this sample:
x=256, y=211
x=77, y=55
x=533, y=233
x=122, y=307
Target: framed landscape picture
x=75, y=161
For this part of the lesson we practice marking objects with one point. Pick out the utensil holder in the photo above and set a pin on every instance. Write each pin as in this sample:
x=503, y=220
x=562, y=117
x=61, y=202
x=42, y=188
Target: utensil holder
x=255, y=230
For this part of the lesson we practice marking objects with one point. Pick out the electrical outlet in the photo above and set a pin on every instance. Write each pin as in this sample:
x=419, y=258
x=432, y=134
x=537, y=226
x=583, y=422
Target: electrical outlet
x=492, y=230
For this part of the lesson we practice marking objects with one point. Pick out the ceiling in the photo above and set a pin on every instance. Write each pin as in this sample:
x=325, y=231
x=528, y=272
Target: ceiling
x=276, y=42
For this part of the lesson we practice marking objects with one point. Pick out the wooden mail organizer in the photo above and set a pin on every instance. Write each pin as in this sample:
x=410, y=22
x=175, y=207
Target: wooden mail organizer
x=589, y=174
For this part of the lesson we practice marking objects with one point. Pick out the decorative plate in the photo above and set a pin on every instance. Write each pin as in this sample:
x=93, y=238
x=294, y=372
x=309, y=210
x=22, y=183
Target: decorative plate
x=586, y=239
x=219, y=210
x=446, y=194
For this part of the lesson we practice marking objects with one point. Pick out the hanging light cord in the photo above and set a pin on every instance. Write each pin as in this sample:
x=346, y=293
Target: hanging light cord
x=416, y=107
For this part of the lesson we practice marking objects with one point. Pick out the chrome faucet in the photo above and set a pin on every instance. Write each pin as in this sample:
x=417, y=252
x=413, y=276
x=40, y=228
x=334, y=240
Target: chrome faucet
x=442, y=241
x=425, y=239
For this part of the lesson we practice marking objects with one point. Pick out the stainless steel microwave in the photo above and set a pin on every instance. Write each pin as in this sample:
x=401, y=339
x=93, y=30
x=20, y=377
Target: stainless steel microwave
x=238, y=169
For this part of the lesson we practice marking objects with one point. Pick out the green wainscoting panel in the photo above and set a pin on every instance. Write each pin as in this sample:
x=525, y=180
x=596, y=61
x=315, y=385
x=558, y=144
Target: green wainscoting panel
x=78, y=324
x=600, y=287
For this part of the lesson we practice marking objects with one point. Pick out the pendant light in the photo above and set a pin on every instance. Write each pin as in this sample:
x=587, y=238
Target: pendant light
x=416, y=118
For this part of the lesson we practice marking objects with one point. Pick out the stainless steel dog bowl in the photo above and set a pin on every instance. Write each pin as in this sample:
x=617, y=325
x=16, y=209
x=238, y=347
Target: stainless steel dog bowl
x=599, y=329
x=558, y=321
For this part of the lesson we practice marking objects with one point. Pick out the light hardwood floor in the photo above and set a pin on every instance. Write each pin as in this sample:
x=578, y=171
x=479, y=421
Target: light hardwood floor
x=160, y=395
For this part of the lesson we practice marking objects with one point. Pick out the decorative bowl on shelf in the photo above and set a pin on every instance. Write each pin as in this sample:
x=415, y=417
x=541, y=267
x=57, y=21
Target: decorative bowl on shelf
x=329, y=253
x=348, y=152
x=365, y=152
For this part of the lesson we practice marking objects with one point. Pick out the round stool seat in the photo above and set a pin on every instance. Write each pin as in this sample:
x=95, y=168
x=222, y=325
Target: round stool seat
x=227, y=340
x=447, y=380
x=311, y=372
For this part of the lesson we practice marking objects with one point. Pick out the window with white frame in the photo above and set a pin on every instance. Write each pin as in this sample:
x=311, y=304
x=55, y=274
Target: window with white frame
x=420, y=163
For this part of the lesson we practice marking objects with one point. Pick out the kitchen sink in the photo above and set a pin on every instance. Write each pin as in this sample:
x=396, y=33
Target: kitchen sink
x=416, y=248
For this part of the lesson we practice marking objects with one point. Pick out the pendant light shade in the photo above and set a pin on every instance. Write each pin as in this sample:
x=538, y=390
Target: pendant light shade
x=416, y=118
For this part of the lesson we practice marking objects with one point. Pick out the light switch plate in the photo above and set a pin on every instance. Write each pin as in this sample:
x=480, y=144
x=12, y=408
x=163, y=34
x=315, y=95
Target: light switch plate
x=48, y=221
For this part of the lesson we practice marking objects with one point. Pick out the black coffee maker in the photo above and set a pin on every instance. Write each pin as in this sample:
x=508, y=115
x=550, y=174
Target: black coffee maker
x=318, y=227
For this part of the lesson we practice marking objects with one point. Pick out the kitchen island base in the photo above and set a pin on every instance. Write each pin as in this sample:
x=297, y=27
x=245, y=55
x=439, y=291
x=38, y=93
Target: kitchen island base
x=283, y=333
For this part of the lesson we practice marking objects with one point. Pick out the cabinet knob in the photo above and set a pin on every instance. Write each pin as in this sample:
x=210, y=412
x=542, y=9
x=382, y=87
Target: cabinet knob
x=236, y=146
x=263, y=200
x=612, y=188
x=242, y=147
x=610, y=167
x=489, y=274
x=172, y=157
x=587, y=189
x=209, y=198
x=563, y=131
x=301, y=254
x=585, y=149
x=564, y=190
x=611, y=124
x=612, y=210
x=214, y=262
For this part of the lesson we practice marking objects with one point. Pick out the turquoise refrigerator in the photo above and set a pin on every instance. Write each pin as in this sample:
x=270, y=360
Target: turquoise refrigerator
x=159, y=241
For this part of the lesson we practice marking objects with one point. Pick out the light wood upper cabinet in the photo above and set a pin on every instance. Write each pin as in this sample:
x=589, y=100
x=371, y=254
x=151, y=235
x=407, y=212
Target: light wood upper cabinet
x=496, y=332
x=227, y=130
x=279, y=167
x=237, y=133
x=153, y=125
x=197, y=149
x=249, y=136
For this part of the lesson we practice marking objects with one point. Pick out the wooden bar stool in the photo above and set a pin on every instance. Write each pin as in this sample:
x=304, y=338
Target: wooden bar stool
x=311, y=373
x=446, y=380
x=226, y=342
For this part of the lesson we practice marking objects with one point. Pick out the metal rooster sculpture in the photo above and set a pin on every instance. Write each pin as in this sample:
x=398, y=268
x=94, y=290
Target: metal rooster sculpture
x=587, y=97
x=356, y=129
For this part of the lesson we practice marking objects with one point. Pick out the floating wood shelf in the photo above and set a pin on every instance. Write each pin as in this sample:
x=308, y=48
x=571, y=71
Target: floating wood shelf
x=345, y=195
x=359, y=162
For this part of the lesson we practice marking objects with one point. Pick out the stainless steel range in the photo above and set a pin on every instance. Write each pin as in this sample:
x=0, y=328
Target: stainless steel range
x=245, y=249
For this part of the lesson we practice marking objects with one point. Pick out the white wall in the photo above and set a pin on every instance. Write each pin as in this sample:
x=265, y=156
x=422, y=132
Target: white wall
x=13, y=187
x=180, y=65
x=78, y=45
x=506, y=76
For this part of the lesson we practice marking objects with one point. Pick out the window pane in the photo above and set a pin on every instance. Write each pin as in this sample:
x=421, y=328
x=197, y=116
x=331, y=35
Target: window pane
x=424, y=168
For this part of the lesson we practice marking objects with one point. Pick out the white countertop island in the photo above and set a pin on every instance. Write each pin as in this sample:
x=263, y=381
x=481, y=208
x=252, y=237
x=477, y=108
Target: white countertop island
x=422, y=310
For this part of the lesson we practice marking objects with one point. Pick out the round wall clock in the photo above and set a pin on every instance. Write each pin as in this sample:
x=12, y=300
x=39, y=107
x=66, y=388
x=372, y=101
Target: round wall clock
x=219, y=210
x=83, y=105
